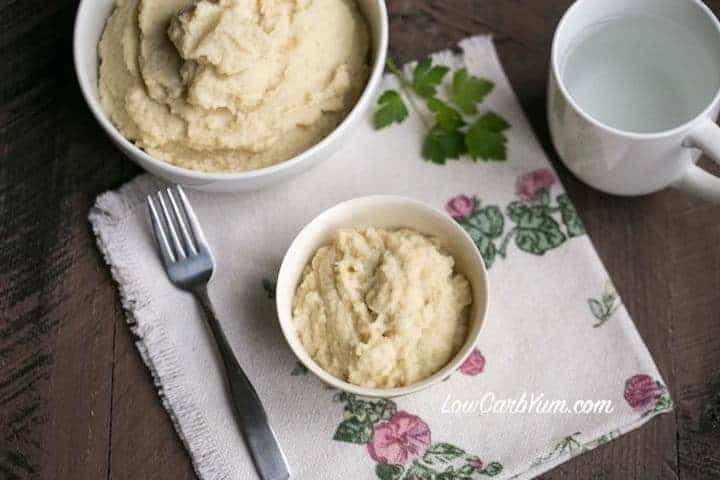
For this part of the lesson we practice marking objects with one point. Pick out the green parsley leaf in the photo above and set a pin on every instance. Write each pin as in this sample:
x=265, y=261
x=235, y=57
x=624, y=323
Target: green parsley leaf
x=493, y=122
x=392, y=110
x=484, y=143
x=441, y=144
x=446, y=117
x=467, y=90
x=426, y=78
x=450, y=137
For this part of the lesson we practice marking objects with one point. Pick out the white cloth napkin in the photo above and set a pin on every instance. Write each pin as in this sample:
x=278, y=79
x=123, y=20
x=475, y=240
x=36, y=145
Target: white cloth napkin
x=556, y=328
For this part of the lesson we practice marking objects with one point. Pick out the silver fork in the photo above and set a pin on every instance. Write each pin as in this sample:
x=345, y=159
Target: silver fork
x=190, y=264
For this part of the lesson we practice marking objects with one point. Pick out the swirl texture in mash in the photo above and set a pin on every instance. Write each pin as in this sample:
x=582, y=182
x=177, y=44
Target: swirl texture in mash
x=231, y=85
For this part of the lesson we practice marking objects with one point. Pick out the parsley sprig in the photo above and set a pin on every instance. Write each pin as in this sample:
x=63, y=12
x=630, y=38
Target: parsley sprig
x=451, y=134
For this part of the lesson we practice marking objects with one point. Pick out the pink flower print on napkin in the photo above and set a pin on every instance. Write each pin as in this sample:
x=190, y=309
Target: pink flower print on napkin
x=533, y=183
x=474, y=364
x=460, y=207
x=642, y=392
x=475, y=463
x=399, y=440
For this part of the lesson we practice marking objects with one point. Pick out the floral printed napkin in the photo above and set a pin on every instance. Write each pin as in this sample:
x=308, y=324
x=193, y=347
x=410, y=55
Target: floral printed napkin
x=557, y=330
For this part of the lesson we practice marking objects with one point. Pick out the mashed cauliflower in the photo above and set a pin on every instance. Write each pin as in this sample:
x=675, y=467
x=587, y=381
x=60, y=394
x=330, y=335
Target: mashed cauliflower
x=231, y=85
x=382, y=308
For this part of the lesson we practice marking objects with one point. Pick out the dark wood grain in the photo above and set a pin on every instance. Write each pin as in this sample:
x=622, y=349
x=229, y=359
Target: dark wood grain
x=76, y=401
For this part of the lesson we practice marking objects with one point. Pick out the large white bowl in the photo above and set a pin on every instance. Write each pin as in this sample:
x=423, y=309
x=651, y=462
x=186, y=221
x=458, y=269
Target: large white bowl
x=382, y=211
x=89, y=25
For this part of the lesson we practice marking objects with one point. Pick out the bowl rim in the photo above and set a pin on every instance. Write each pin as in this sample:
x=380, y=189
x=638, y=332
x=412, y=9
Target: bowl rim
x=446, y=371
x=380, y=49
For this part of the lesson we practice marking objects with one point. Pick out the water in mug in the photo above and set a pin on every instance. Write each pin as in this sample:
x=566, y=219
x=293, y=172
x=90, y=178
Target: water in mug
x=641, y=73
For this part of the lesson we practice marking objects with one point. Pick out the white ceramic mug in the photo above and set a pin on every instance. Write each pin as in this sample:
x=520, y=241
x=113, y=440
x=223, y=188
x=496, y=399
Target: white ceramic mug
x=606, y=154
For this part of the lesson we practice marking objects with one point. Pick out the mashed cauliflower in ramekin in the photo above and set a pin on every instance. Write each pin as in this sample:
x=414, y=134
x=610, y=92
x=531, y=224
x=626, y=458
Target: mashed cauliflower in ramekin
x=382, y=308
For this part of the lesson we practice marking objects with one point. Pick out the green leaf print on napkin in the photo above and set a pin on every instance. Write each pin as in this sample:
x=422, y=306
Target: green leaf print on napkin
x=570, y=217
x=360, y=417
x=442, y=453
x=604, y=307
x=566, y=446
x=386, y=471
x=535, y=230
x=535, y=224
x=485, y=225
x=353, y=430
x=571, y=446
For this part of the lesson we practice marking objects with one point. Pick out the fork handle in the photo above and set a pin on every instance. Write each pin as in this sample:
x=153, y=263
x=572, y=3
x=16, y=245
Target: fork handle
x=249, y=413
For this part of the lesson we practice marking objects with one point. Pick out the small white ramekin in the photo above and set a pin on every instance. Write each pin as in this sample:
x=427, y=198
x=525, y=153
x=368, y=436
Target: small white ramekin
x=90, y=23
x=382, y=211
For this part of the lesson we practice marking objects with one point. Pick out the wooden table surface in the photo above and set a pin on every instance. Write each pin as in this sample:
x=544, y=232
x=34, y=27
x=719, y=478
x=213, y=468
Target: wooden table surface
x=76, y=401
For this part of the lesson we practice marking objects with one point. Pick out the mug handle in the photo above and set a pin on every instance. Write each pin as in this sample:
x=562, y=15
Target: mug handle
x=697, y=181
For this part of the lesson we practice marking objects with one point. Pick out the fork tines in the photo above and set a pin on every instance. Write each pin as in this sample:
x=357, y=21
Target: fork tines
x=167, y=222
